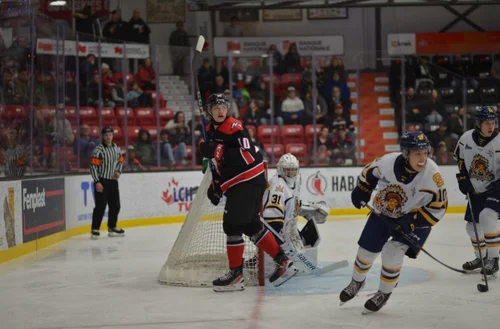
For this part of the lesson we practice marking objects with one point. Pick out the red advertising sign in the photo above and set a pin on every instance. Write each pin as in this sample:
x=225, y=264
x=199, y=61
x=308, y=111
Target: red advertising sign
x=456, y=43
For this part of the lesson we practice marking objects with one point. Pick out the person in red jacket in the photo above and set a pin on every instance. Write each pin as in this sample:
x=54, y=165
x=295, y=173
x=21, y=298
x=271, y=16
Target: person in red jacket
x=146, y=77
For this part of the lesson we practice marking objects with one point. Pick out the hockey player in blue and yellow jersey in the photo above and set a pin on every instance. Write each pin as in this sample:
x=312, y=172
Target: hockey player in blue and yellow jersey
x=412, y=198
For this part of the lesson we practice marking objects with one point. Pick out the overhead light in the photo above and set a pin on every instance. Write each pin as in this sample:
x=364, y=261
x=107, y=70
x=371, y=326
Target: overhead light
x=57, y=3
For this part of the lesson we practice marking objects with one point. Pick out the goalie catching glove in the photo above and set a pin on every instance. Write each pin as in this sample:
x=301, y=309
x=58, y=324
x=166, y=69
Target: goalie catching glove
x=317, y=211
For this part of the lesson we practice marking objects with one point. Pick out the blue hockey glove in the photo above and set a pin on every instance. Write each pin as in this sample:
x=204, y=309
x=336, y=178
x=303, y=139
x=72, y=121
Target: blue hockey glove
x=464, y=184
x=361, y=194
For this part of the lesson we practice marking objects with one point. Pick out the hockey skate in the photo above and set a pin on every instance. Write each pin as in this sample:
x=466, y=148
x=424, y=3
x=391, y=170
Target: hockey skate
x=351, y=291
x=285, y=270
x=115, y=231
x=233, y=280
x=490, y=268
x=94, y=234
x=375, y=303
x=473, y=266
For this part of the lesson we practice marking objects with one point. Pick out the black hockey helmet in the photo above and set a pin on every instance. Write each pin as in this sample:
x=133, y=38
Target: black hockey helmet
x=216, y=99
x=415, y=140
x=107, y=129
x=484, y=113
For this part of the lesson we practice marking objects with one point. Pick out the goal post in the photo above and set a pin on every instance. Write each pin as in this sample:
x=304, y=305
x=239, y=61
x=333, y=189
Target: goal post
x=198, y=255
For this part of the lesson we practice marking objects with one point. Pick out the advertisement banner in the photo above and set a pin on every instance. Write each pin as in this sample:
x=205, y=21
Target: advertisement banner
x=257, y=46
x=43, y=209
x=108, y=50
x=101, y=8
x=11, y=229
x=80, y=200
x=443, y=43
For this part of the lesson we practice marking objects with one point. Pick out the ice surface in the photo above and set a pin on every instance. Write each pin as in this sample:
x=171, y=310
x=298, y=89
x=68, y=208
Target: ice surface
x=111, y=283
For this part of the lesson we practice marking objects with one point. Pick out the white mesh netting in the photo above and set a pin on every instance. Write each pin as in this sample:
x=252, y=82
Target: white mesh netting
x=199, y=252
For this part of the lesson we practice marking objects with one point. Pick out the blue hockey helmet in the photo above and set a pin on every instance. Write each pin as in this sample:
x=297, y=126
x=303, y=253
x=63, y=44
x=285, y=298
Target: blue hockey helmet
x=415, y=140
x=485, y=113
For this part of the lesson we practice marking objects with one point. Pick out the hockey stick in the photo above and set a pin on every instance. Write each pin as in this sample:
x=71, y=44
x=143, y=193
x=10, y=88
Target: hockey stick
x=303, y=258
x=480, y=287
x=411, y=241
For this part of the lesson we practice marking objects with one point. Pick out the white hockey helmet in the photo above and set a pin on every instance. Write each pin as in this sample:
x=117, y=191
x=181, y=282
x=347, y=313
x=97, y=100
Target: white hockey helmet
x=288, y=169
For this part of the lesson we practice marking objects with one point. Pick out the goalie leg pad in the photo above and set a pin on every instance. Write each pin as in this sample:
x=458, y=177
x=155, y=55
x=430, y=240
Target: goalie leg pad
x=392, y=261
x=488, y=218
x=469, y=227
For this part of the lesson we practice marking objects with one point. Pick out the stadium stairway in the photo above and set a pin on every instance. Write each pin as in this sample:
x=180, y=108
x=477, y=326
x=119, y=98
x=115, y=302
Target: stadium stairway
x=377, y=122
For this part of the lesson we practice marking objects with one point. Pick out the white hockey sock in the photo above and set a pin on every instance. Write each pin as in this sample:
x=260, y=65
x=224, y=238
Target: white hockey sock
x=470, y=231
x=392, y=261
x=488, y=218
x=362, y=264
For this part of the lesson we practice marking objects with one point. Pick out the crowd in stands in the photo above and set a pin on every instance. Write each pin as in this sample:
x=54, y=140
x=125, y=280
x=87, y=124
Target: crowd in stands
x=434, y=93
x=293, y=103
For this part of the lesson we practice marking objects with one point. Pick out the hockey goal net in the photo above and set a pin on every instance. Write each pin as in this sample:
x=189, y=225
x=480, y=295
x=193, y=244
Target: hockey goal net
x=199, y=252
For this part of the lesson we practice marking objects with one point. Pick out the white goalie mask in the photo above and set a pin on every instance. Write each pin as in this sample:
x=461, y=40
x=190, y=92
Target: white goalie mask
x=288, y=169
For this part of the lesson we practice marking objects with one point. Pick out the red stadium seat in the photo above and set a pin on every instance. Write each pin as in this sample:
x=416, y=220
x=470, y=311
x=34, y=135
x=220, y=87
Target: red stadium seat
x=70, y=114
x=166, y=114
x=291, y=79
x=133, y=134
x=276, y=81
x=48, y=112
x=118, y=135
x=266, y=131
x=189, y=152
x=15, y=112
x=292, y=134
x=310, y=132
x=299, y=150
x=153, y=93
x=88, y=116
x=152, y=131
x=144, y=116
x=278, y=150
x=108, y=116
x=120, y=115
x=95, y=132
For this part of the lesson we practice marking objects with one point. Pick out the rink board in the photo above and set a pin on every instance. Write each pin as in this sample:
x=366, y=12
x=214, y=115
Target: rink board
x=55, y=209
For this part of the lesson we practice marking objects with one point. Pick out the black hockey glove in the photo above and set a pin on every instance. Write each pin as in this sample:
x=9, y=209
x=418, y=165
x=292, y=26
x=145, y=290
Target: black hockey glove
x=464, y=184
x=214, y=193
x=361, y=193
x=405, y=224
x=212, y=150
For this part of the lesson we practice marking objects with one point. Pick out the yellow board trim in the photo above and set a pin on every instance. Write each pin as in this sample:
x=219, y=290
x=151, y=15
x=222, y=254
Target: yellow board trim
x=39, y=244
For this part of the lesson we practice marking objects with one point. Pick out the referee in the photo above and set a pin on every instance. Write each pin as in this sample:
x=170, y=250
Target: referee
x=105, y=168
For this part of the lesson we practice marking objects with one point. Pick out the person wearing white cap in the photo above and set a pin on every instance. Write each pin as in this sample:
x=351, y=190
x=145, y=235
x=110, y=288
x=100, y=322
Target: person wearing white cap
x=292, y=108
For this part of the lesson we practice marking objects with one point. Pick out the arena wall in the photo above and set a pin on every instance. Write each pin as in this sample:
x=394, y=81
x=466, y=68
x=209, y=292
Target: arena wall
x=40, y=212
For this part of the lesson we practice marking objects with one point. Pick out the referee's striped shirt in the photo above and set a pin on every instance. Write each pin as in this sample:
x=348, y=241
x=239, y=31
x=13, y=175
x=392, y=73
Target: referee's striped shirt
x=105, y=162
x=15, y=161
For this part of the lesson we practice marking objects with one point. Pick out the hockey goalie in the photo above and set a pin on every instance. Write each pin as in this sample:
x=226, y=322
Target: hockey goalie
x=282, y=204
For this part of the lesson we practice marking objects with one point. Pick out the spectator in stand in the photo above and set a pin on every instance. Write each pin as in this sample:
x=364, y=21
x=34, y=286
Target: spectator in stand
x=254, y=115
x=456, y=123
x=179, y=134
x=324, y=147
x=274, y=53
x=3, y=137
x=20, y=51
x=60, y=130
x=337, y=99
x=441, y=135
x=340, y=119
x=220, y=86
x=85, y=145
x=415, y=115
x=22, y=88
x=179, y=48
x=144, y=148
x=434, y=103
x=261, y=96
x=118, y=94
x=291, y=61
x=39, y=129
x=424, y=70
x=335, y=66
x=245, y=75
x=166, y=151
x=198, y=129
x=206, y=77
x=343, y=146
x=442, y=156
x=116, y=29
x=146, y=76
x=87, y=70
x=136, y=97
x=292, y=108
x=139, y=29
x=86, y=24
x=134, y=163
x=233, y=30
x=321, y=108
x=307, y=78
x=257, y=142
x=93, y=94
x=241, y=95
x=345, y=93
x=495, y=74
x=233, y=106
x=434, y=117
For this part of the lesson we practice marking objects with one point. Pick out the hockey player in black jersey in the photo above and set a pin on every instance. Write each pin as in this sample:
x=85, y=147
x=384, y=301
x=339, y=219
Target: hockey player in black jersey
x=239, y=174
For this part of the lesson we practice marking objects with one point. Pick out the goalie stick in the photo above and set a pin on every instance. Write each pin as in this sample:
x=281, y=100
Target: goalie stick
x=316, y=270
x=410, y=240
